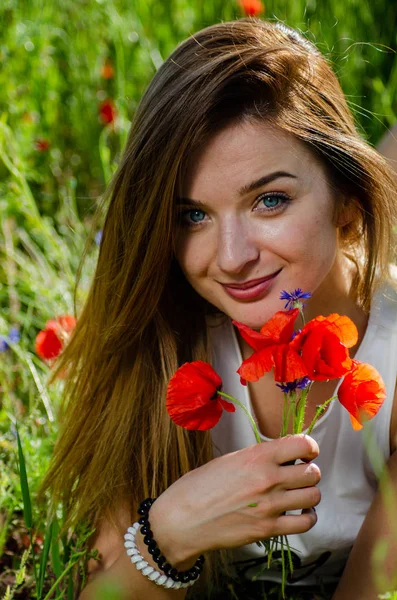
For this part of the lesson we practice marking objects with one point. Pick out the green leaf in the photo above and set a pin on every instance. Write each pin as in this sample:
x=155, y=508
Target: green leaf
x=27, y=506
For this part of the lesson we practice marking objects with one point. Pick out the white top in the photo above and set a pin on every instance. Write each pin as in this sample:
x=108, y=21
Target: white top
x=349, y=460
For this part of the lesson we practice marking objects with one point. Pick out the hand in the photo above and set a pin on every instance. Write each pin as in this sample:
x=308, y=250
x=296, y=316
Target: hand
x=208, y=508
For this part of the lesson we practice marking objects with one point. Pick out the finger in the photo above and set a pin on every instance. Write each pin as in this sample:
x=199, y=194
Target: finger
x=291, y=524
x=304, y=498
x=299, y=476
x=293, y=447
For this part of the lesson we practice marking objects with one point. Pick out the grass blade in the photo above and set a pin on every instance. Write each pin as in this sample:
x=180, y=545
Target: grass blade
x=44, y=558
x=55, y=554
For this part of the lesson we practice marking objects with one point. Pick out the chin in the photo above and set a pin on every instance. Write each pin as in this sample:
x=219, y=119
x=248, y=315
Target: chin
x=253, y=321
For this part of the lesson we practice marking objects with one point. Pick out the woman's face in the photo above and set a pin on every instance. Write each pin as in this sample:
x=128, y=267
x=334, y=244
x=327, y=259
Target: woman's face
x=257, y=217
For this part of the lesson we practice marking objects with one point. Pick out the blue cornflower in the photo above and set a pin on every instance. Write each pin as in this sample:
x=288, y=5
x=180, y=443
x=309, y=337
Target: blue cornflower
x=98, y=237
x=298, y=384
x=294, y=297
x=13, y=337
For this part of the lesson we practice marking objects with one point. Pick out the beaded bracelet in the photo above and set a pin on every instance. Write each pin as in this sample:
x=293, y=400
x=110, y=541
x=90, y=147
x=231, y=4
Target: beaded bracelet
x=184, y=576
x=172, y=578
x=143, y=566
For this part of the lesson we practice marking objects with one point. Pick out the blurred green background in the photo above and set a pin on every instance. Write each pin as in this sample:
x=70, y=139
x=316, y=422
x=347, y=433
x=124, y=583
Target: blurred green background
x=71, y=75
x=52, y=77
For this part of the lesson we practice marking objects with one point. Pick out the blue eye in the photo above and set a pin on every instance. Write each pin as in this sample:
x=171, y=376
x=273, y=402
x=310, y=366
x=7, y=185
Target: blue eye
x=272, y=202
x=196, y=215
x=193, y=216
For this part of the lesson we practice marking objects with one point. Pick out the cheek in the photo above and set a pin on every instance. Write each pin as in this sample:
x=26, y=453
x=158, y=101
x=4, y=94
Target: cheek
x=192, y=255
x=311, y=233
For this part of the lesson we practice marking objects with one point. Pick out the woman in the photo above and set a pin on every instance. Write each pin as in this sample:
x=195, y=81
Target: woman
x=243, y=175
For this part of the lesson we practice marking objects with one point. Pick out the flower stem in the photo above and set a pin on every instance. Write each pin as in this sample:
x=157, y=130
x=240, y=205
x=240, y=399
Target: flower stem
x=301, y=408
x=319, y=412
x=244, y=408
x=301, y=313
x=286, y=412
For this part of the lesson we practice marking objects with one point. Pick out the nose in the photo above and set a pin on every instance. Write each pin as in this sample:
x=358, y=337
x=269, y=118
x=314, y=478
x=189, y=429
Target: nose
x=236, y=247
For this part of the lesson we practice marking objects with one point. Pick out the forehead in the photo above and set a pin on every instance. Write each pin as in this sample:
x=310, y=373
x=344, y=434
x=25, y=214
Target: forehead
x=246, y=150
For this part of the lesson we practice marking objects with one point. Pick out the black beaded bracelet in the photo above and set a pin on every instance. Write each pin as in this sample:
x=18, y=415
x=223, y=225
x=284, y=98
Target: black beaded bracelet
x=183, y=576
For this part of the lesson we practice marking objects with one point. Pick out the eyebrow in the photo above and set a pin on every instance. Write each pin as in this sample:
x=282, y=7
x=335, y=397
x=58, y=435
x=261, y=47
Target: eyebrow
x=246, y=189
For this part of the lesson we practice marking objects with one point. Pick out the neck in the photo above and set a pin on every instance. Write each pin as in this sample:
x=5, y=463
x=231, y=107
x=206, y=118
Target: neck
x=337, y=295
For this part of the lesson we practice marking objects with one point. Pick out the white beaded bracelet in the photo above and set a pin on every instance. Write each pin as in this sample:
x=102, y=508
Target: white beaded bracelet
x=143, y=566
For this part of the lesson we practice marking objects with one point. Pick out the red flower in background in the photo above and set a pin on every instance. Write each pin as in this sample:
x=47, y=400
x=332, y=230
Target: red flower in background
x=107, y=71
x=51, y=340
x=362, y=393
x=252, y=8
x=48, y=345
x=192, y=396
x=107, y=111
x=42, y=145
x=272, y=349
x=61, y=325
x=323, y=344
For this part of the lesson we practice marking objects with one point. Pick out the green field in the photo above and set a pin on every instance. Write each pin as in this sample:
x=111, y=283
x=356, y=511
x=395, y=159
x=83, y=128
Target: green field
x=71, y=76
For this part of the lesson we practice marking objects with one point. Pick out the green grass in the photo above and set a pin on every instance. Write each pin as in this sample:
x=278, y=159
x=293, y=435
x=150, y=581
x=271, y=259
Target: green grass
x=50, y=90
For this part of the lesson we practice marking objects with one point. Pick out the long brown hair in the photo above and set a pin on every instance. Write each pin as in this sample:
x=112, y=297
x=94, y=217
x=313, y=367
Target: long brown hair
x=141, y=319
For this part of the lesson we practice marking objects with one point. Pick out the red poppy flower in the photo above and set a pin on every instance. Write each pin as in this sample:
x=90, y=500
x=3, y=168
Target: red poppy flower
x=192, y=396
x=272, y=349
x=323, y=344
x=362, y=393
x=50, y=341
x=107, y=71
x=252, y=8
x=42, y=145
x=107, y=111
x=48, y=345
x=62, y=324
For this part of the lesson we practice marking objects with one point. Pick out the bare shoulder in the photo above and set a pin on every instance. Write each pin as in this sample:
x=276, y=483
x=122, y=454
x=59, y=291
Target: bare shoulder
x=109, y=541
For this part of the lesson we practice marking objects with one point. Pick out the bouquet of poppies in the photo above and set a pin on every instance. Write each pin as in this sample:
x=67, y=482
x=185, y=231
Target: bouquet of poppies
x=319, y=351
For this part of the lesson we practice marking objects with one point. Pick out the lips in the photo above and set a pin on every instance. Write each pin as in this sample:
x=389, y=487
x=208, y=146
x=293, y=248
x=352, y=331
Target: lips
x=252, y=289
x=251, y=283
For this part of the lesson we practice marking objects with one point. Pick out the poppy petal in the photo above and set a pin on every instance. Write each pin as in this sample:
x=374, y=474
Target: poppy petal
x=362, y=392
x=324, y=355
x=288, y=365
x=341, y=326
x=53, y=325
x=281, y=326
x=252, y=337
x=228, y=406
x=193, y=385
x=201, y=419
x=47, y=344
x=259, y=363
x=67, y=322
x=344, y=328
x=192, y=396
x=355, y=424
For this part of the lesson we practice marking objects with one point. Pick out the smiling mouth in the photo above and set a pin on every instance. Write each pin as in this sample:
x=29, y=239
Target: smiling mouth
x=252, y=283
